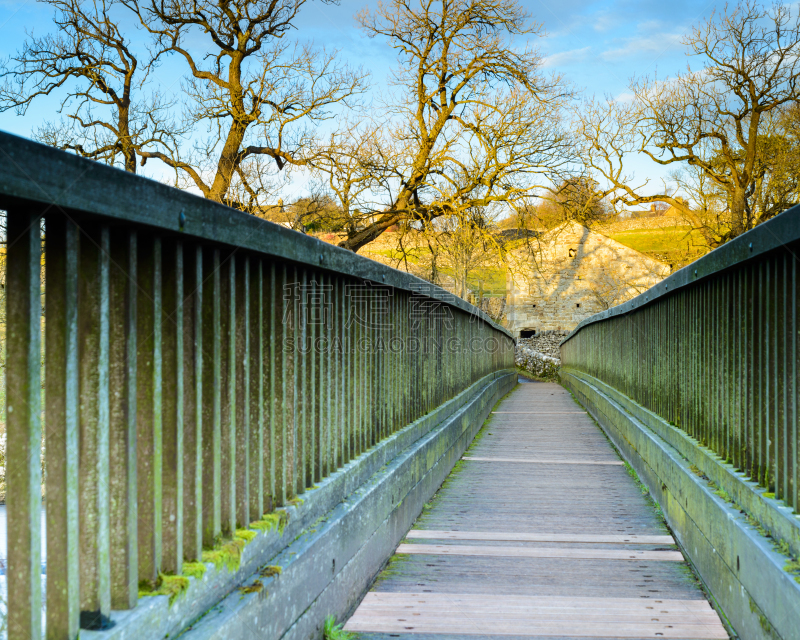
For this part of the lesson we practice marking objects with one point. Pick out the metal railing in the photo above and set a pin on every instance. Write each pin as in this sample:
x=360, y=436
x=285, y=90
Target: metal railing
x=713, y=350
x=201, y=368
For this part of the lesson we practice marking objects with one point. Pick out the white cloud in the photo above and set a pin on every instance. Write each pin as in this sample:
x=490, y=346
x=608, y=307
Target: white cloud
x=605, y=21
x=653, y=44
x=565, y=58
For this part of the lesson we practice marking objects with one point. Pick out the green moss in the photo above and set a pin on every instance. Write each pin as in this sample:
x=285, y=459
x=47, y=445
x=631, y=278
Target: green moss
x=333, y=631
x=632, y=473
x=769, y=494
x=793, y=566
x=270, y=571
x=245, y=534
x=697, y=472
x=228, y=553
x=765, y=625
x=256, y=587
x=551, y=374
x=756, y=524
x=194, y=569
x=165, y=585
x=723, y=494
x=276, y=520
x=295, y=502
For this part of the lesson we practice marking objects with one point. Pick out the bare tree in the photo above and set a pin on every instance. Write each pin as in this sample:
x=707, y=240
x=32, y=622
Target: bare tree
x=712, y=120
x=100, y=74
x=258, y=93
x=352, y=167
x=472, y=122
x=466, y=244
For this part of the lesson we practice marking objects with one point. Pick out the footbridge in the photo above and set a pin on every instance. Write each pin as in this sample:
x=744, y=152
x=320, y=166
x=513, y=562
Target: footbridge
x=220, y=428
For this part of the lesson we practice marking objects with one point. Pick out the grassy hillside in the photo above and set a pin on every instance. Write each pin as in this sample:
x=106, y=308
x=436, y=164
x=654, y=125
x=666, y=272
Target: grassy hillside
x=677, y=246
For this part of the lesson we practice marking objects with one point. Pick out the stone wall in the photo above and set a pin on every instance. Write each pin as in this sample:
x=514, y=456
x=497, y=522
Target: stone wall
x=572, y=273
x=537, y=364
x=545, y=343
x=660, y=222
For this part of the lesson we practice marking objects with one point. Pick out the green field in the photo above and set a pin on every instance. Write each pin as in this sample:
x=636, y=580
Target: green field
x=677, y=246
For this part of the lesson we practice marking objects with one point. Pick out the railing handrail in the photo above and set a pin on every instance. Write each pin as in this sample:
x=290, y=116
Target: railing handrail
x=84, y=185
x=776, y=232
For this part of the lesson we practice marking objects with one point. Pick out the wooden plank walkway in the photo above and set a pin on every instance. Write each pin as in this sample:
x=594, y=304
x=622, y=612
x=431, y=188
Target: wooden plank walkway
x=539, y=532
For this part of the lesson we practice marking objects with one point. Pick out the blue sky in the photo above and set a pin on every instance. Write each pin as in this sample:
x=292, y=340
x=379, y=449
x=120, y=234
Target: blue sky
x=597, y=45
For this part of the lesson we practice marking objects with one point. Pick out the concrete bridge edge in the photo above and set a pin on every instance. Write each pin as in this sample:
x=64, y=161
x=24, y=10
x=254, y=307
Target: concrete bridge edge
x=740, y=568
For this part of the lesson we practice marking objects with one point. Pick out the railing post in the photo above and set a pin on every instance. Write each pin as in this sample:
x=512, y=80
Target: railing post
x=23, y=407
x=240, y=372
x=61, y=419
x=172, y=327
x=211, y=349
x=193, y=402
x=228, y=393
x=93, y=471
x=149, y=407
x=259, y=449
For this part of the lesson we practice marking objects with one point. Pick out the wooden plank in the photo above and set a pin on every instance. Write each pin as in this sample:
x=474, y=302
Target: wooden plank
x=535, y=616
x=537, y=537
x=540, y=552
x=500, y=602
x=470, y=626
x=537, y=461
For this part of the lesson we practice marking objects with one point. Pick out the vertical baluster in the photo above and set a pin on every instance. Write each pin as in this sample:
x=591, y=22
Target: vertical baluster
x=302, y=384
x=259, y=445
x=348, y=372
x=24, y=431
x=272, y=350
x=767, y=471
x=123, y=533
x=93, y=428
x=228, y=393
x=335, y=373
x=193, y=403
x=290, y=398
x=149, y=409
x=774, y=382
x=240, y=368
x=794, y=424
x=356, y=363
x=371, y=367
x=274, y=399
x=211, y=349
x=749, y=382
x=311, y=400
x=758, y=372
x=61, y=419
x=172, y=326
x=782, y=354
x=325, y=421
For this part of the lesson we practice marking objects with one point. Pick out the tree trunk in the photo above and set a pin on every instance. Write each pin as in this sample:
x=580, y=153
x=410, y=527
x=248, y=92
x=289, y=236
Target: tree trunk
x=738, y=223
x=228, y=161
x=126, y=144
